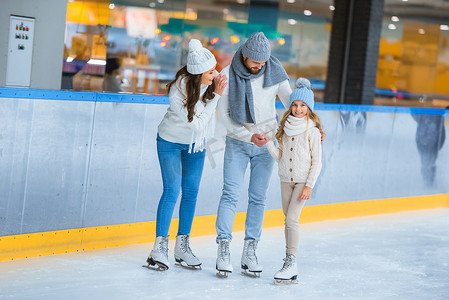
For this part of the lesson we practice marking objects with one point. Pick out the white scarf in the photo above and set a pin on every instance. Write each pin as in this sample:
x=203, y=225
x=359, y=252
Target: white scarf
x=295, y=126
x=198, y=140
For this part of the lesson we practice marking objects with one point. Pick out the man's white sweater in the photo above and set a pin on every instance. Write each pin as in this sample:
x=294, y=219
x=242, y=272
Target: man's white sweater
x=264, y=109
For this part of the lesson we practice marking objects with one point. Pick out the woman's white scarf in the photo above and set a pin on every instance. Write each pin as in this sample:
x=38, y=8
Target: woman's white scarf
x=198, y=140
x=295, y=126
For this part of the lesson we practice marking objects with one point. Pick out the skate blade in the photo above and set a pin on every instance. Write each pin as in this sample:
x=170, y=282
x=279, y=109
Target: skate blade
x=251, y=274
x=183, y=264
x=285, y=281
x=222, y=274
x=155, y=265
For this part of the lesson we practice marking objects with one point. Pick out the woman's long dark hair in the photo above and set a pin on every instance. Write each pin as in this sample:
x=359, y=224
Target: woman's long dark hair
x=193, y=83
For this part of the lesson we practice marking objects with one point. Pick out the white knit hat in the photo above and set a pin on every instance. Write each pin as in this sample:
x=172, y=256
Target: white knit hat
x=199, y=59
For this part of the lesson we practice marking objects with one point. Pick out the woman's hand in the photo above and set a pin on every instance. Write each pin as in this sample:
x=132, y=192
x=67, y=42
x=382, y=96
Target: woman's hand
x=305, y=194
x=220, y=84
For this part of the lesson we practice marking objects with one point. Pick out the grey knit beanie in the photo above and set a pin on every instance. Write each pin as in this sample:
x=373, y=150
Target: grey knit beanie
x=257, y=47
x=303, y=91
x=199, y=59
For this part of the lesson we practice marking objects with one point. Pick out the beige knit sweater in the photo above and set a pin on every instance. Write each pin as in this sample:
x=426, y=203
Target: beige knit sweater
x=301, y=157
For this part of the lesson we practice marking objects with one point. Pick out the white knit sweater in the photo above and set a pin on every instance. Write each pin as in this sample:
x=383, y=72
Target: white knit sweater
x=175, y=127
x=301, y=157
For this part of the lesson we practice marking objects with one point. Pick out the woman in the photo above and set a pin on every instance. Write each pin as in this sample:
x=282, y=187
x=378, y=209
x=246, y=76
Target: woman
x=182, y=137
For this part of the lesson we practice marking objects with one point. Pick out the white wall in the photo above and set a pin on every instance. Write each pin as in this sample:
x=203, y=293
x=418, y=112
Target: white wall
x=48, y=48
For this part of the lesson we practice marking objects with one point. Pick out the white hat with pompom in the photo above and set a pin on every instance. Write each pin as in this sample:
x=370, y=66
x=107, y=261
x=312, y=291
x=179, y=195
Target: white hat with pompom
x=199, y=59
x=303, y=91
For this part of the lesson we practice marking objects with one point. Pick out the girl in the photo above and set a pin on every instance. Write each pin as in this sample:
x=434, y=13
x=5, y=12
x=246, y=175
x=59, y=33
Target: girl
x=299, y=157
x=181, y=139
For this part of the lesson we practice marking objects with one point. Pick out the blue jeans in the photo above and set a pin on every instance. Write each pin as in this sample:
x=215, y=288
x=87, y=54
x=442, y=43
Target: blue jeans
x=180, y=170
x=236, y=158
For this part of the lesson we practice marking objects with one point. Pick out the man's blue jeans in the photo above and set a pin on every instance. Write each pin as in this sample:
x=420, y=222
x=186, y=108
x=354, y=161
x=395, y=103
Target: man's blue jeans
x=180, y=170
x=236, y=158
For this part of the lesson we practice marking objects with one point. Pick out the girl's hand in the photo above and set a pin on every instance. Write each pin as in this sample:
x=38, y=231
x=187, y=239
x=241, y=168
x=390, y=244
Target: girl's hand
x=305, y=194
x=220, y=84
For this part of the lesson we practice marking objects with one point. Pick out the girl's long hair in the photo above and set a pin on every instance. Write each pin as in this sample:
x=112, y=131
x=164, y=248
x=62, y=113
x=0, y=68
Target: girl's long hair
x=193, y=83
x=309, y=116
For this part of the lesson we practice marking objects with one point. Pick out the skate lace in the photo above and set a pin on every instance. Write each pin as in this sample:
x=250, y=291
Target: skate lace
x=163, y=247
x=288, y=261
x=224, y=250
x=251, y=253
x=185, y=246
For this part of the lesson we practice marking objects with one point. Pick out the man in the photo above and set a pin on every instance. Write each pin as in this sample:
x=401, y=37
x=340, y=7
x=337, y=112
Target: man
x=247, y=109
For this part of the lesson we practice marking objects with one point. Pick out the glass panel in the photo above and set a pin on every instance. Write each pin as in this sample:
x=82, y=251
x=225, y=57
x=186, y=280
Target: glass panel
x=413, y=68
x=150, y=38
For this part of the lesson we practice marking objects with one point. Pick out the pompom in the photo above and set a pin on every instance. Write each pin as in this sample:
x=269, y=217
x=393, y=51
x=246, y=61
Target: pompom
x=195, y=45
x=303, y=82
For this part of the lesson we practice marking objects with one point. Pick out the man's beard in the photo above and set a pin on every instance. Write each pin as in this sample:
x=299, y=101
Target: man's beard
x=254, y=70
x=251, y=70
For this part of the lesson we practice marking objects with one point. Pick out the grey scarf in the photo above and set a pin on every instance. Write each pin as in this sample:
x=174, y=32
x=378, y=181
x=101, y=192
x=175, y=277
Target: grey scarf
x=241, y=103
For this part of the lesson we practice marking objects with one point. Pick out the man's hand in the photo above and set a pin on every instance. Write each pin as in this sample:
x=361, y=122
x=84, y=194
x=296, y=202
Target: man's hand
x=259, y=139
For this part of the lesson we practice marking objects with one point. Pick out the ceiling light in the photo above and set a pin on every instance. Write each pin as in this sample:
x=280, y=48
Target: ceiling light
x=111, y=6
x=160, y=1
x=394, y=19
x=444, y=27
x=241, y=1
x=421, y=31
x=152, y=4
x=331, y=7
x=391, y=26
x=291, y=21
x=291, y=1
x=307, y=12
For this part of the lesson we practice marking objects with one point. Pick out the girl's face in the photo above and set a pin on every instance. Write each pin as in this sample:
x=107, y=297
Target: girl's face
x=299, y=109
x=208, y=77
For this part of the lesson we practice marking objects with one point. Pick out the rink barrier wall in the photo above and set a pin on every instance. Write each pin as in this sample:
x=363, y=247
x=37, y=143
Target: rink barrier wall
x=83, y=239
x=79, y=170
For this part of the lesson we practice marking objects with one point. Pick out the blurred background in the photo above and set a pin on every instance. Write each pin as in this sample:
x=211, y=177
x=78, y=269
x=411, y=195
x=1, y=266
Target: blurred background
x=150, y=39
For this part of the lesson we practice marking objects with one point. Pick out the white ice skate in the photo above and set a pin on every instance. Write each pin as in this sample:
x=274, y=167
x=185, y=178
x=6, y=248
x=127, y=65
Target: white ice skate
x=250, y=265
x=159, y=254
x=184, y=255
x=289, y=272
x=223, y=265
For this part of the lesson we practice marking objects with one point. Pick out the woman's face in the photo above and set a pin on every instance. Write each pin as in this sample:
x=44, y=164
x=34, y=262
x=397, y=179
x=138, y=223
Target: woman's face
x=299, y=109
x=208, y=77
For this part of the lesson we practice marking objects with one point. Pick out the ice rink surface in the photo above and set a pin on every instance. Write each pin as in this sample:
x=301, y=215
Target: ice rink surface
x=394, y=256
